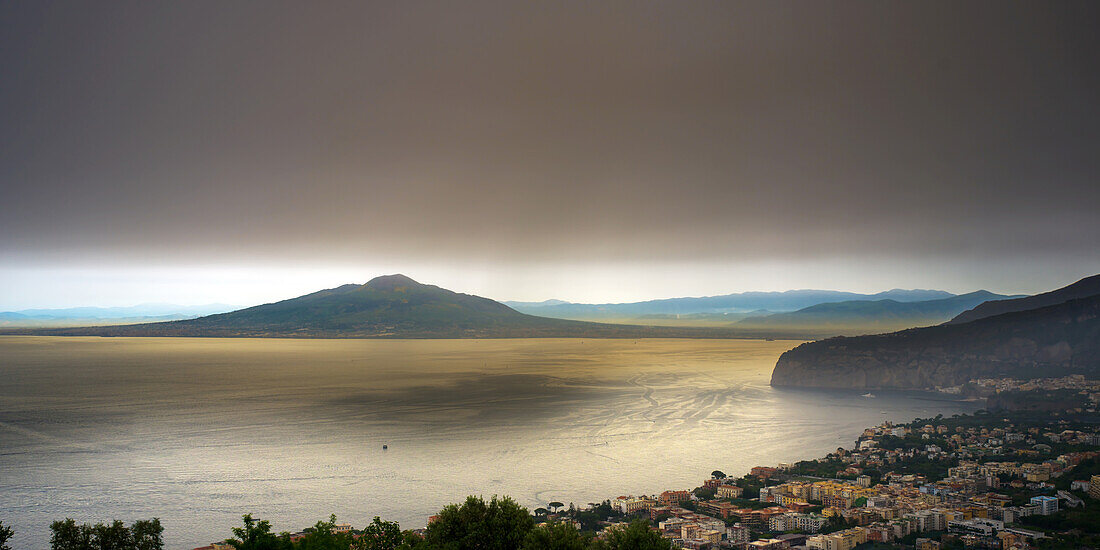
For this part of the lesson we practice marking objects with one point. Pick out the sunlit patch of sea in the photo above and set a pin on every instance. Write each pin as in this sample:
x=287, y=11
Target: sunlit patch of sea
x=200, y=431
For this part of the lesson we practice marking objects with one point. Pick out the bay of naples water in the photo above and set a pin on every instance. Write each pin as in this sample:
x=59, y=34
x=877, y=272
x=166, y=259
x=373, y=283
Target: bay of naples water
x=198, y=432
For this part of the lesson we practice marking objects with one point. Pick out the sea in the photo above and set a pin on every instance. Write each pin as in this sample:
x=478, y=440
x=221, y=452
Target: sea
x=198, y=432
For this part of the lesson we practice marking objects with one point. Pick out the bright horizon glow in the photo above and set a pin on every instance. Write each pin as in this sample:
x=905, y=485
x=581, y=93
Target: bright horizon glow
x=48, y=286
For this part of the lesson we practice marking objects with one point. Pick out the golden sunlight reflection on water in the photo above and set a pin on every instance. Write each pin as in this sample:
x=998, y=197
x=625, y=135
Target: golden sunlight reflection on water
x=201, y=431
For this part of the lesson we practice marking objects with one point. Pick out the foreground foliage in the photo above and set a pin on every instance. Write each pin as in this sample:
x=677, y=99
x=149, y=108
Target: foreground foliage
x=476, y=524
x=141, y=535
x=5, y=535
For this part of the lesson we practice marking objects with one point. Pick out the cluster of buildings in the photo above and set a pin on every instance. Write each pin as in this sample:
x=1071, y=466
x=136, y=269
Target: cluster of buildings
x=881, y=513
x=969, y=445
x=1074, y=382
x=969, y=502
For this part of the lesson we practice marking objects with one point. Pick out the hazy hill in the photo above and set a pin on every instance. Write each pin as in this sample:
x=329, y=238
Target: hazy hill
x=88, y=316
x=544, y=303
x=1048, y=341
x=391, y=306
x=729, y=303
x=870, y=316
x=1089, y=286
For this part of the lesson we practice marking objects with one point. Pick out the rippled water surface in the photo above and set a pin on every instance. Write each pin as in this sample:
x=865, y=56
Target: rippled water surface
x=201, y=431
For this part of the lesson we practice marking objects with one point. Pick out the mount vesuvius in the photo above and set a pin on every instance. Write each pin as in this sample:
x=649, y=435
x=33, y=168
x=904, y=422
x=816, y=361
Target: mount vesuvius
x=391, y=306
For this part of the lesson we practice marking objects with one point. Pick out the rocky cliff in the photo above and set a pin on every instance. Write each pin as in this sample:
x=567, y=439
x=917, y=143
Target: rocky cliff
x=1050, y=341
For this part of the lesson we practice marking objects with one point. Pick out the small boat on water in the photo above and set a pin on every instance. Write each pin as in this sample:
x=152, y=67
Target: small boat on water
x=869, y=395
x=384, y=447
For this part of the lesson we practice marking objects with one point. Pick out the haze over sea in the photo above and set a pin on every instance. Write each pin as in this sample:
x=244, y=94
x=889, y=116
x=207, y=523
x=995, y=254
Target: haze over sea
x=200, y=431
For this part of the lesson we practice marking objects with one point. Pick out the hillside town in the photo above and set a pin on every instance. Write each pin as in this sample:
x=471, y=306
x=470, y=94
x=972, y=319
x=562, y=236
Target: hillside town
x=1004, y=480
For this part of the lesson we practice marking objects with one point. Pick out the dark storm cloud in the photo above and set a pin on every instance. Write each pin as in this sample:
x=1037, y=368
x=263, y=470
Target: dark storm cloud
x=617, y=130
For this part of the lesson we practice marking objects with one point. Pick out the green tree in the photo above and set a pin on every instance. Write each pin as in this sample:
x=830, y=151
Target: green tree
x=323, y=536
x=257, y=535
x=67, y=535
x=6, y=534
x=704, y=493
x=718, y=474
x=500, y=524
x=382, y=535
x=637, y=536
x=112, y=536
x=555, y=505
x=555, y=536
x=147, y=534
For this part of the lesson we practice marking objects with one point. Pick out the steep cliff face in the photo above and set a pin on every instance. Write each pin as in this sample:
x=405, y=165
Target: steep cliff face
x=1050, y=341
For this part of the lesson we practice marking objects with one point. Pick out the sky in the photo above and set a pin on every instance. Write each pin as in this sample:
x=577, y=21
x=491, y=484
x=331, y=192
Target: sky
x=198, y=152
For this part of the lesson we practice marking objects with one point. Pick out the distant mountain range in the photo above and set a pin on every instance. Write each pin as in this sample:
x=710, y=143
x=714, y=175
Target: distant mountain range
x=805, y=313
x=392, y=306
x=82, y=316
x=1050, y=334
x=397, y=306
x=870, y=316
x=790, y=300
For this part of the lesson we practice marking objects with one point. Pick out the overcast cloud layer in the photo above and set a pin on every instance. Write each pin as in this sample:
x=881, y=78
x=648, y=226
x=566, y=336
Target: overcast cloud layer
x=959, y=136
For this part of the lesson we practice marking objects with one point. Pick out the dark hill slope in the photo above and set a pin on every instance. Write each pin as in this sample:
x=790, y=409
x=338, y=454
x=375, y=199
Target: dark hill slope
x=393, y=306
x=868, y=316
x=1089, y=286
x=1050, y=341
x=390, y=303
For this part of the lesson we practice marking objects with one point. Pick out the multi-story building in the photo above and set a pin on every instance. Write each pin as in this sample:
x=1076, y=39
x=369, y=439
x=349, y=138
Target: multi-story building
x=807, y=523
x=1047, y=505
x=672, y=498
x=978, y=527
x=811, y=523
x=841, y=540
x=719, y=508
x=1094, y=487
x=767, y=544
x=737, y=534
x=729, y=491
x=763, y=472
x=879, y=533
x=690, y=531
x=930, y=520
x=790, y=500
x=927, y=544
x=630, y=505
x=782, y=523
x=712, y=536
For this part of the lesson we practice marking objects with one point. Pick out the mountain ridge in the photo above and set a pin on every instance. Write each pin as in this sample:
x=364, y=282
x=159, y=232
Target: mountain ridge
x=390, y=306
x=1083, y=288
x=871, y=316
x=1053, y=340
x=776, y=301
